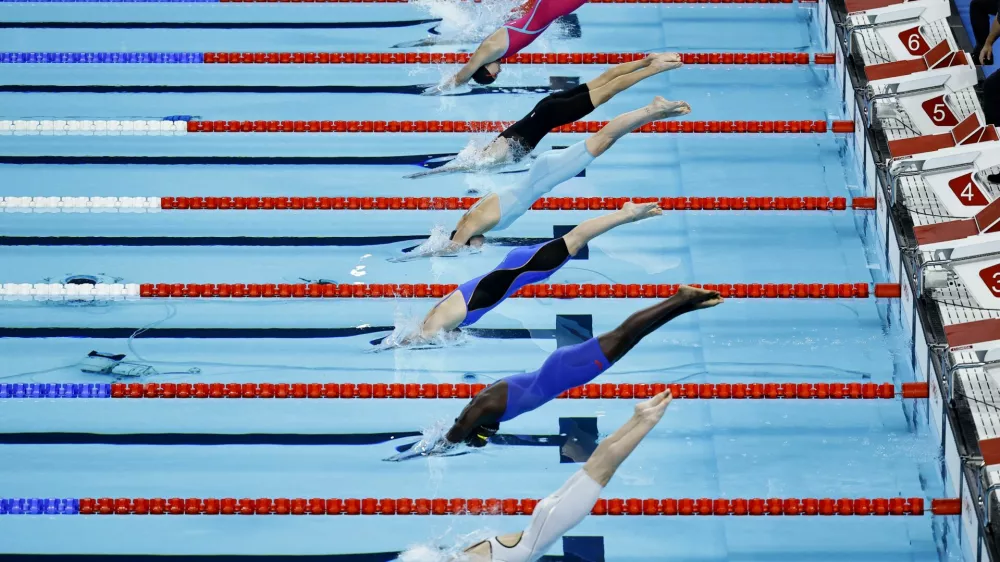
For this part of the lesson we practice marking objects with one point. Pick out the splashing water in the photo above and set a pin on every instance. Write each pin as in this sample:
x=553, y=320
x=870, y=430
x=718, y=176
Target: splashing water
x=428, y=552
x=406, y=331
x=469, y=20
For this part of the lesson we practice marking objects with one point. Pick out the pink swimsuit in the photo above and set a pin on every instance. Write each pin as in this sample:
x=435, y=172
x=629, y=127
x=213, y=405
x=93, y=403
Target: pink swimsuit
x=536, y=19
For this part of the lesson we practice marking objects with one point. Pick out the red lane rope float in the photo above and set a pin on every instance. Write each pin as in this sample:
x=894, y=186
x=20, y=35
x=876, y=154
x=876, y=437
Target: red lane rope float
x=897, y=506
x=658, y=127
x=521, y=58
x=558, y=291
x=543, y=204
x=462, y=391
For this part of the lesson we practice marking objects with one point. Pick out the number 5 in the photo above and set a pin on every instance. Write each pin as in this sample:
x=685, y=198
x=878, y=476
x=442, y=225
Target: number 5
x=939, y=113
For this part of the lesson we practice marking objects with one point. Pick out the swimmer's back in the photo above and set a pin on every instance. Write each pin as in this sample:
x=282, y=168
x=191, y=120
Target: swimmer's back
x=538, y=15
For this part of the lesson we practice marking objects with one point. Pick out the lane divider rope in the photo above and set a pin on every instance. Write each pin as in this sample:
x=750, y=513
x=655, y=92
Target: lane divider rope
x=181, y=127
x=166, y=57
x=133, y=291
x=729, y=127
x=156, y=204
x=463, y=391
x=772, y=507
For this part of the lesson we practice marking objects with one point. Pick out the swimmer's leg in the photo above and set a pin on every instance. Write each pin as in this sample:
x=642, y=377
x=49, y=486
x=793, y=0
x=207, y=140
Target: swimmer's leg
x=558, y=513
x=622, y=77
x=613, y=451
x=592, y=228
x=600, y=142
x=616, y=343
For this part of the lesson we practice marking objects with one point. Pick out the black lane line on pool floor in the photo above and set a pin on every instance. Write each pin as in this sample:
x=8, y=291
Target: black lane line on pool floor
x=575, y=549
x=252, y=333
x=576, y=440
x=414, y=90
x=569, y=329
x=215, y=25
x=139, y=241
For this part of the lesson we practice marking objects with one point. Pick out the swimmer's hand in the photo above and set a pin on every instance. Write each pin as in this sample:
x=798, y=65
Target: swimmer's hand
x=434, y=91
x=436, y=171
x=424, y=448
x=449, y=251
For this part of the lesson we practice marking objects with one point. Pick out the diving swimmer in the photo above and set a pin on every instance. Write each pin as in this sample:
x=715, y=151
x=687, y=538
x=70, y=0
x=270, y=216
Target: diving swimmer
x=566, y=368
x=555, y=110
x=511, y=38
x=500, y=209
x=522, y=266
x=567, y=507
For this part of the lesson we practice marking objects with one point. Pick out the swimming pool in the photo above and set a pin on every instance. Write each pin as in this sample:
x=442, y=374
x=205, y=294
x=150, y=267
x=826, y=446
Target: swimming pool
x=332, y=448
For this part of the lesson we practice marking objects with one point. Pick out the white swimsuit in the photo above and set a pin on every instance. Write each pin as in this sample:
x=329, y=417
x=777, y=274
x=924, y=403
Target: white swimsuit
x=553, y=517
x=550, y=169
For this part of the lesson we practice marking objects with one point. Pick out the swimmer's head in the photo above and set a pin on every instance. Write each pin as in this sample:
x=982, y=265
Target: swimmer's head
x=481, y=435
x=487, y=73
x=476, y=241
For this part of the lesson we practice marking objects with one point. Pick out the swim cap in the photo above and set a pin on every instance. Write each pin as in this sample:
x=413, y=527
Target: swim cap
x=467, y=242
x=483, y=76
x=481, y=435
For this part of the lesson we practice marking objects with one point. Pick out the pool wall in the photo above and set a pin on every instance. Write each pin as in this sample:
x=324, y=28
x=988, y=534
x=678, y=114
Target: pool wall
x=888, y=238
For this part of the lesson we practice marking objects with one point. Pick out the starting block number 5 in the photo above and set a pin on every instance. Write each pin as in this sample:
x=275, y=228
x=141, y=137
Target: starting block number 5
x=939, y=112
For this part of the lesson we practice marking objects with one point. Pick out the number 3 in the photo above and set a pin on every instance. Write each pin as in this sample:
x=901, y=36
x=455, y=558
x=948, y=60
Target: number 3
x=995, y=286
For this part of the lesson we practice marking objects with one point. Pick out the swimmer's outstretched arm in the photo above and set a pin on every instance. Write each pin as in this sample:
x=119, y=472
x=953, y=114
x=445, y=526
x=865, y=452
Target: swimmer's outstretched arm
x=441, y=170
x=488, y=51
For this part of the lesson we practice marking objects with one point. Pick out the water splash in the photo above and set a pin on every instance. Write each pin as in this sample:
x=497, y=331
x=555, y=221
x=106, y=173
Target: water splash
x=430, y=552
x=406, y=335
x=472, y=21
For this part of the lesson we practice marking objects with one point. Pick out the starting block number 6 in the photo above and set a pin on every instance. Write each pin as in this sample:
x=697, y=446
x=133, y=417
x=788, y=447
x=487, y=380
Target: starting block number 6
x=914, y=42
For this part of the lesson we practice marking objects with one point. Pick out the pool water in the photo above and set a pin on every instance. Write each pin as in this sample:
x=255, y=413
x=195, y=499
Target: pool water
x=91, y=448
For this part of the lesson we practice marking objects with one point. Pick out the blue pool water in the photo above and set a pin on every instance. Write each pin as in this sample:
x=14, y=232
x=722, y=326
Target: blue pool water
x=801, y=449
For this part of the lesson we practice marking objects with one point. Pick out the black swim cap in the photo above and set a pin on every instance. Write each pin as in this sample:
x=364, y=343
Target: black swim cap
x=467, y=242
x=481, y=435
x=483, y=76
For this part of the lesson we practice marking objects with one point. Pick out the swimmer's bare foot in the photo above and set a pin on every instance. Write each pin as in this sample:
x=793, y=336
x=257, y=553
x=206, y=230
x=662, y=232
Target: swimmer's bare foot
x=699, y=298
x=652, y=410
x=665, y=108
x=638, y=211
x=665, y=61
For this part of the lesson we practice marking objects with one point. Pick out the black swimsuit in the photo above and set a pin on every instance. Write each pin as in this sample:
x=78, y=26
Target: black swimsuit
x=555, y=110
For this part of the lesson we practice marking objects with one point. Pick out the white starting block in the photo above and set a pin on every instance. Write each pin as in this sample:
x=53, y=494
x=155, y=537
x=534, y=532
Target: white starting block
x=969, y=131
x=963, y=238
x=954, y=175
x=898, y=32
x=926, y=102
